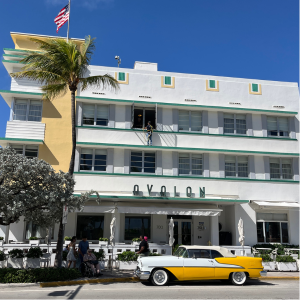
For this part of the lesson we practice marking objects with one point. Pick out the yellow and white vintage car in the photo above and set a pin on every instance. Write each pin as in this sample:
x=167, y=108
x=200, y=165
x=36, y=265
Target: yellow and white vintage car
x=199, y=263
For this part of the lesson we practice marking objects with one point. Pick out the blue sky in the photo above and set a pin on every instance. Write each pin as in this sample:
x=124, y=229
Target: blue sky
x=256, y=39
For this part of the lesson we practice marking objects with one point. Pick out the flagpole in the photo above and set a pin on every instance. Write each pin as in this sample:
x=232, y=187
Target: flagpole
x=69, y=20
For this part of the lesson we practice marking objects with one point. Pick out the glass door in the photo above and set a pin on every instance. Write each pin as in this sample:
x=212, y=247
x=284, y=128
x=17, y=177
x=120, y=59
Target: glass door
x=182, y=232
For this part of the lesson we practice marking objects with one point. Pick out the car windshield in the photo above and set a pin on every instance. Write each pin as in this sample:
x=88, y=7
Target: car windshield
x=180, y=252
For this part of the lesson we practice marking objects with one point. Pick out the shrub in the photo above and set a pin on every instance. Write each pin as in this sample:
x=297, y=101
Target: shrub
x=16, y=253
x=127, y=256
x=34, y=252
x=266, y=258
x=68, y=238
x=280, y=247
x=136, y=239
x=100, y=255
x=154, y=254
x=10, y=275
x=103, y=239
x=1, y=238
x=2, y=256
x=284, y=258
x=33, y=238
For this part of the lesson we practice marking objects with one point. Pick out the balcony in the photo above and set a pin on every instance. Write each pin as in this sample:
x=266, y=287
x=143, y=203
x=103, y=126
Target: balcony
x=25, y=130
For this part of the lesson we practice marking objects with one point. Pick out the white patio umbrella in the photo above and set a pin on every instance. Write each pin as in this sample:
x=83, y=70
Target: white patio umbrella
x=241, y=233
x=171, y=232
x=112, y=230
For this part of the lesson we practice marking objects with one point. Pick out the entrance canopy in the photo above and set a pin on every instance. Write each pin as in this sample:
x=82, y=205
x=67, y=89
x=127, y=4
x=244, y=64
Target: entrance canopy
x=270, y=204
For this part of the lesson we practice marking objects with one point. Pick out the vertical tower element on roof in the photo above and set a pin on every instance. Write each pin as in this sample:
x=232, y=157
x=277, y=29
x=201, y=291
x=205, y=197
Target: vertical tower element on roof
x=140, y=65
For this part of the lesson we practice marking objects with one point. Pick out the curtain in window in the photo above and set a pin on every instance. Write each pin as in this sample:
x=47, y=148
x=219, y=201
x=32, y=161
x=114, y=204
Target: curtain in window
x=136, y=162
x=184, y=163
x=100, y=160
x=196, y=121
x=20, y=110
x=241, y=127
x=242, y=166
x=149, y=162
x=35, y=111
x=86, y=159
x=184, y=120
x=102, y=115
x=272, y=126
x=230, y=166
x=287, y=168
x=283, y=126
x=196, y=164
x=88, y=112
x=228, y=123
x=34, y=230
x=31, y=151
x=275, y=168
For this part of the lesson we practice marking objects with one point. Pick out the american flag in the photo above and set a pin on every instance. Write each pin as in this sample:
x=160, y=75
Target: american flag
x=62, y=17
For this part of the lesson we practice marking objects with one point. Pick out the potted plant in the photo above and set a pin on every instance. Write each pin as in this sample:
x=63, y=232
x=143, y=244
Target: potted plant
x=1, y=241
x=286, y=263
x=33, y=240
x=2, y=259
x=127, y=260
x=67, y=239
x=15, y=259
x=103, y=241
x=135, y=241
x=268, y=263
x=33, y=257
x=100, y=255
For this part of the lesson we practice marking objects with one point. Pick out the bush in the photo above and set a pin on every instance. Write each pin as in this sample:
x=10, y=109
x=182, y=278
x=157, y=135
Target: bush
x=266, y=258
x=127, y=256
x=103, y=239
x=1, y=238
x=154, y=254
x=68, y=238
x=136, y=239
x=16, y=253
x=10, y=275
x=33, y=238
x=100, y=255
x=280, y=247
x=2, y=256
x=284, y=258
x=34, y=252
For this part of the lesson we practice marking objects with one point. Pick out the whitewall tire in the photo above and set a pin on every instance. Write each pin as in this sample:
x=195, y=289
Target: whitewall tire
x=160, y=277
x=238, y=278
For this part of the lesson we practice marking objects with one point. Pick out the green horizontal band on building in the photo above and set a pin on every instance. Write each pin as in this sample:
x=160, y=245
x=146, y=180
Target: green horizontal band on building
x=19, y=92
x=187, y=105
x=14, y=55
x=187, y=177
x=187, y=132
x=17, y=50
x=168, y=198
x=21, y=140
x=185, y=149
x=12, y=61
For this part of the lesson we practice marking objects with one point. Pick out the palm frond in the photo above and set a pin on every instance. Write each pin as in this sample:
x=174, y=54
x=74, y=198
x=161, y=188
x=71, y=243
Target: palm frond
x=99, y=81
x=54, y=90
x=43, y=77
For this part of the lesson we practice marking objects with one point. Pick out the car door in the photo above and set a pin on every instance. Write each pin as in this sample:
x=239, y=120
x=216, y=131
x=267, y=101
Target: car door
x=198, y=265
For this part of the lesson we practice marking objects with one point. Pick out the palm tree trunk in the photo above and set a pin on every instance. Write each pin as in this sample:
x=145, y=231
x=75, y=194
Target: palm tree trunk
x=60, y=238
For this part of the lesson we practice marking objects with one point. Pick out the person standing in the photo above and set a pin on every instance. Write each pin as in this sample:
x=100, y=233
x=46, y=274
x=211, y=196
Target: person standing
x=149, y=133
x=83, y=247
x=71, y=257
x=144, y=246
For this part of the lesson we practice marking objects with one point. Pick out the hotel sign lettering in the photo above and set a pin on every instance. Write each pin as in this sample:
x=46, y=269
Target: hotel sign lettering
x=163, y=191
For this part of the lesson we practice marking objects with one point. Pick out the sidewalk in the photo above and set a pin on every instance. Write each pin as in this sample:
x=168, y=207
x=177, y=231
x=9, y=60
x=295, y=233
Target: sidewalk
x=280, y=275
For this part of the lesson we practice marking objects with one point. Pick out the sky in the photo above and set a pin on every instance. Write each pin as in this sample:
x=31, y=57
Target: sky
x=256, y=39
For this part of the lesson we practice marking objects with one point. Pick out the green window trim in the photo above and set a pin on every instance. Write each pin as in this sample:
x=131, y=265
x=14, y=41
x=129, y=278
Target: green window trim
x=121, y=76
x=168, y=80
x=212, y=84
x=254, y=87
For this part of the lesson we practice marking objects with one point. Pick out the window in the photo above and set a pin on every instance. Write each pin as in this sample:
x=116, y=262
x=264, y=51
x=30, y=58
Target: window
x=95, y=115
x=198, y=253
x=168, y=80
x=121, y=76
x=255, y=88
x=236, y=166
x=189, y=120
x=34, y=230
x=212, y=84
x=91, y=226
x=215, y=254
x=141, y=117
x=26, y=150
x=190, y=164
x=137, y=226
x=281, y=168
x=278, y=126
x=27, y=110
x=272, y=228
x=93, y=160
x=235, y=124
x=142, y=162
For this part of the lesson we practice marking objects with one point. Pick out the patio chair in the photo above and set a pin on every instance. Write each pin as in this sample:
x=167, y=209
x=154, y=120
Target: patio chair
x=45, y=259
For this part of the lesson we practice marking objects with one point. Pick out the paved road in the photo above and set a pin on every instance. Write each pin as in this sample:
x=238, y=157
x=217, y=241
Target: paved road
x=254, y=289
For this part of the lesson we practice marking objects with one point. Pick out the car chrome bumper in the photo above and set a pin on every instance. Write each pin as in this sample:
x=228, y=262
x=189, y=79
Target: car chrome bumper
x=263, y=273
x=142, y=275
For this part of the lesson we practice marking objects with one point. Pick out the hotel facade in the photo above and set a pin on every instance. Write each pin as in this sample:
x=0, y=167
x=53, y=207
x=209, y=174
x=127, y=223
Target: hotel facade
x=223, y=149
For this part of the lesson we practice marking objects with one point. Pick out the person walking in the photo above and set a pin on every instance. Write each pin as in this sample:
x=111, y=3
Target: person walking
x=144, y=246
x=71, y=257
x=149, y=133
x=83, y=247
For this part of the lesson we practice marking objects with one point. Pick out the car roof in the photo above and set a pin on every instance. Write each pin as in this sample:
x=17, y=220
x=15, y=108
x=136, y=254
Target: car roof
x=224, y=251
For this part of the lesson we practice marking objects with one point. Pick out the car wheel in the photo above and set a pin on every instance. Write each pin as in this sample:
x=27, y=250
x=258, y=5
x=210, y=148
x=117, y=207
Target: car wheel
x=160, y=277
x=238, y=278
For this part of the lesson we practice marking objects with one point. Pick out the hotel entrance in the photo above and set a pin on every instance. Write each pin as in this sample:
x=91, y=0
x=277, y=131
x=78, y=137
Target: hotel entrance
x=182, y=230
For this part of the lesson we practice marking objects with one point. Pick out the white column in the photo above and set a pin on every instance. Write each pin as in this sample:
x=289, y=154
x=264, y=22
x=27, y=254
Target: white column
x=214, y=231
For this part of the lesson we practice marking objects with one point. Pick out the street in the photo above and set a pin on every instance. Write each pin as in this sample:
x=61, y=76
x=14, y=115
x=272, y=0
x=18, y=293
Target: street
x=254, y=289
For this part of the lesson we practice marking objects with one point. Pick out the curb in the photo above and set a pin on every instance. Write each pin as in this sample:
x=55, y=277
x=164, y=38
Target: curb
x=88, y=281
x=278, y=277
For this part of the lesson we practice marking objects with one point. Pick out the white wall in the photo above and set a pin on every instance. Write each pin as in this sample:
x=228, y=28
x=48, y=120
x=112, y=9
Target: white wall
x=293, y=226
x=17, y=230
x=201, y=237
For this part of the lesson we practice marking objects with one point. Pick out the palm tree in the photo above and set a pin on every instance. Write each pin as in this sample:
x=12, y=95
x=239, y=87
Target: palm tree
x=60, y=65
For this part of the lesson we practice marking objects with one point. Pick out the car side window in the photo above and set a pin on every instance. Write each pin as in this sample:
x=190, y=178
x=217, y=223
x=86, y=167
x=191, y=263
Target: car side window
x=205, y=253
x=194, y=253
x=215, y=254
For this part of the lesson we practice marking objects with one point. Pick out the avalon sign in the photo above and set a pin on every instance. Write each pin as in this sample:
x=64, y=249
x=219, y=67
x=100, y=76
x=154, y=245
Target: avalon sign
x=163, y=191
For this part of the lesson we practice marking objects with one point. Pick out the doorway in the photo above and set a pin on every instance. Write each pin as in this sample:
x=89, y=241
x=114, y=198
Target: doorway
x=183, y=232
x=141, y=117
